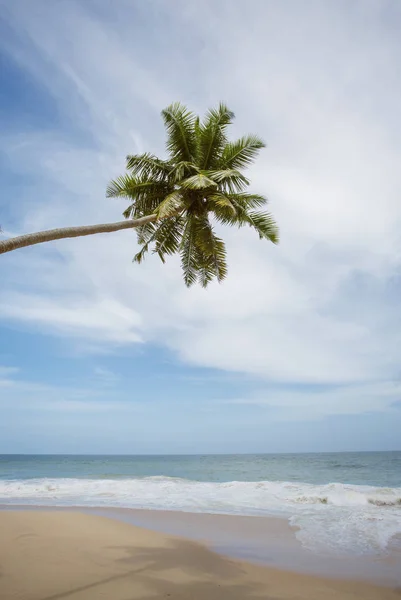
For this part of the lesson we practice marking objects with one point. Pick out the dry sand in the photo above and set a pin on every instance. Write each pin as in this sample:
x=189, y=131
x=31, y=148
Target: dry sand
x=74, y=556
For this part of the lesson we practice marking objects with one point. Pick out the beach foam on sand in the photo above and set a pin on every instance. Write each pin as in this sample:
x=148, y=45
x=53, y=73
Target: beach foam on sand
x=73, y=556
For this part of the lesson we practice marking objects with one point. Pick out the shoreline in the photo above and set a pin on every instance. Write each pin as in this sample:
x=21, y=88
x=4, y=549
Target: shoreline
x=77, y=556
x=263, y=541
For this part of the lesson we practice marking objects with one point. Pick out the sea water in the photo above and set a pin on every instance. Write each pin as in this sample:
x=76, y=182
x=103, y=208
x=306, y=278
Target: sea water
x=341, y=503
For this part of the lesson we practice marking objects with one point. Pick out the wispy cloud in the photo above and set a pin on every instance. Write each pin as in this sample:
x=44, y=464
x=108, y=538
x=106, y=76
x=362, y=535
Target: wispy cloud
x=106, y=377
x=4, y=371
x=320, y=83
x=24, y=395
x=315, y=404
x=7, y=376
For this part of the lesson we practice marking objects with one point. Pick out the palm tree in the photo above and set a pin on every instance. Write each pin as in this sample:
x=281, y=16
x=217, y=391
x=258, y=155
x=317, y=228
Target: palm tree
x=176, y=203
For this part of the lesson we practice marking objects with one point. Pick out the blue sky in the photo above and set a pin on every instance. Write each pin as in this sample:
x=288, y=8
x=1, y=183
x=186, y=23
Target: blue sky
x=299, y=349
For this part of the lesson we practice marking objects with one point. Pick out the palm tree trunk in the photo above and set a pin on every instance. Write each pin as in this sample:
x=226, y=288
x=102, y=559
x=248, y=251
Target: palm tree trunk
x=30, y=239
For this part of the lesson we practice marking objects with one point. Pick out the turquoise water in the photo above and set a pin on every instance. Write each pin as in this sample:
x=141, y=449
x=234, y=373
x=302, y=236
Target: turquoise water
x=341, y=503
x=367, y=468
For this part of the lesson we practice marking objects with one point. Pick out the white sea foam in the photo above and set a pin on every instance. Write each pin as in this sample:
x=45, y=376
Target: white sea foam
x=331, y=518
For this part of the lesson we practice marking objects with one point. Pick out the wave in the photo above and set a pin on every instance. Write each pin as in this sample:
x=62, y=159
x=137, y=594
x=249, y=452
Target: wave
x=182, y=493
x=332, y=517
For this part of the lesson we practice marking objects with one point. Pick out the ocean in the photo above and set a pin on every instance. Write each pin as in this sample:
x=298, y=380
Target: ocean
x=341, y=503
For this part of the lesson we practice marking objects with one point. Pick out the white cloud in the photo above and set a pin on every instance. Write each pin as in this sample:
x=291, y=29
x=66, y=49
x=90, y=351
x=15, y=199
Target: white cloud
x=103, y=319
x=6, y=376
x=309, y=405
x=315, y=82
x=21, y=395
x=106, y=377
x=7, y=370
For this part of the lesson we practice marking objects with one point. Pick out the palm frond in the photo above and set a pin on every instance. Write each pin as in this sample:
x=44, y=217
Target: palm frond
x=248, y=200
x=168, y=237
x=206, y=270
x=127, y=186
x=264, y=224
x=198, y=182
x=180, y=126
x=212, y=137
x=231, y=179
x=165, y=234
x=148, y=166
x=183, y=169
x=171, y=204
x=241, y=153
x=222, y=201
x=128, y=213
x=211, y=247
x=189, y=263
x=146, y=194
x=202, y=176
x=117, y=188
x=140, y=256
x=225, y=216
x=197, y=128
x=145, y=233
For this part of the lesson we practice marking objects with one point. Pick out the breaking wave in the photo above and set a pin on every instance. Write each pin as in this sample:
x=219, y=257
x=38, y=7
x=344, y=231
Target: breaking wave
x=334, y=517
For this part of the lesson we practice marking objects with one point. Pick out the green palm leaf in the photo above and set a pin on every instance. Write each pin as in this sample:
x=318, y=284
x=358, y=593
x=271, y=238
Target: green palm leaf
x=145, y=233
x=211, y=247
x=189, y=262
x=127, y=186
x=212, y=137
x=171, y=205
x=198, y=182
x=230, y=179
x=202, y=176
x=206, y=270
x=182, y=170
x=148, y=166
x=180, y=126
x=242, y=153
x=248, y=200
x=221, y=201
x=146, y=194
x=140, y=256
x=168, y=237
x=264, y=225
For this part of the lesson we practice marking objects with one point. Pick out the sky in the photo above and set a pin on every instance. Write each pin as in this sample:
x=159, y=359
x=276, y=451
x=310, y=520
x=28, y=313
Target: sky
x=299, y=349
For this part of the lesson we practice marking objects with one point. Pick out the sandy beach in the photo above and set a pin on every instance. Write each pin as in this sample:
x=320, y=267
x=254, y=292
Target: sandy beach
x=56, y=555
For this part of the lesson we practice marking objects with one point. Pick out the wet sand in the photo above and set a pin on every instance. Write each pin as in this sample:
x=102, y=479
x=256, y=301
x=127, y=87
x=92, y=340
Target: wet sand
x=54, y=555
x=270, y=541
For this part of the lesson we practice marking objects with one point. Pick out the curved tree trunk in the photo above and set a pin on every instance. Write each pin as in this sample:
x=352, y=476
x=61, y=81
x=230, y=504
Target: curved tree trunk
x=30, y=239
